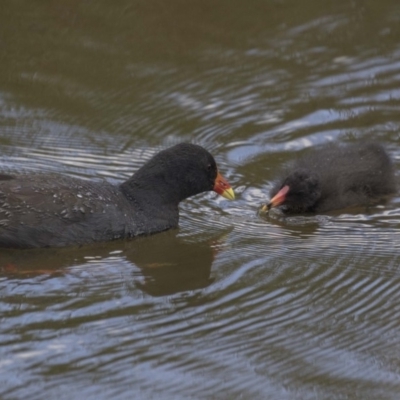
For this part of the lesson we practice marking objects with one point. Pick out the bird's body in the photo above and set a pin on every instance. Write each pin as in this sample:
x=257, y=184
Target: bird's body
x=54, y=210
x=335, y=177
x=47, y=210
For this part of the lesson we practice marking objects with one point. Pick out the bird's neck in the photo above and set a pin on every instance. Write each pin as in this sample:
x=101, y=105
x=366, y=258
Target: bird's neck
x=154, y=206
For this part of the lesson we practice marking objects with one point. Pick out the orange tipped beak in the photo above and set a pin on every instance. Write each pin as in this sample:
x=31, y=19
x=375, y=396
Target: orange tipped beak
x=222, y=187
x=278, y=199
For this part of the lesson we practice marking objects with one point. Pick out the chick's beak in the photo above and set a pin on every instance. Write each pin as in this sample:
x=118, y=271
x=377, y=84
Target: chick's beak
x=278, y=199
x=222, y=187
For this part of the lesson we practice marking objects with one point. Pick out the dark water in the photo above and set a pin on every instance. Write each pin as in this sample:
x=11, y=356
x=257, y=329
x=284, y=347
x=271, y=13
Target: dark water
x=231, y=305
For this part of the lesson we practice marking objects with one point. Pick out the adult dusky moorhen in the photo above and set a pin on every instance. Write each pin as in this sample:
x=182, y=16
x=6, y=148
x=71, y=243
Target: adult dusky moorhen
x=48, y=210
x=333, y=177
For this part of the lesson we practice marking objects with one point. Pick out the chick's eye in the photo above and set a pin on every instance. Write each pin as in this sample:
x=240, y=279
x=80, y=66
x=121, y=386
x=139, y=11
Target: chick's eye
x=209, y=167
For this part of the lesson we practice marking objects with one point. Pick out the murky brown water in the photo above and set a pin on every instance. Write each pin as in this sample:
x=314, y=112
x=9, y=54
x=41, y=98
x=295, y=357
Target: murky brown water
x=231, y=305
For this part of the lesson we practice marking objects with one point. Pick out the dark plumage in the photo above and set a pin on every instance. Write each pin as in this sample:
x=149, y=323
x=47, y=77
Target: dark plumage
x=334, y=177
x=43, y=210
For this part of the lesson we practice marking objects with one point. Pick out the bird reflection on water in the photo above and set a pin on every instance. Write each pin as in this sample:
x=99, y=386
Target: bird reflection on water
x=159, y=263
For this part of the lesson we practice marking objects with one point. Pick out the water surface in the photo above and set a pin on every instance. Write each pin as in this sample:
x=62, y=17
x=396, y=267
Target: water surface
x=230, y=305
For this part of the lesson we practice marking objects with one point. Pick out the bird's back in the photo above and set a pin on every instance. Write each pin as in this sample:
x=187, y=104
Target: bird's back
x=38, y=210
x=355, y=174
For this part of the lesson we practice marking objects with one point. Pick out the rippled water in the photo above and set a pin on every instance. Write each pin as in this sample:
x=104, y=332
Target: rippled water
x=232, y=304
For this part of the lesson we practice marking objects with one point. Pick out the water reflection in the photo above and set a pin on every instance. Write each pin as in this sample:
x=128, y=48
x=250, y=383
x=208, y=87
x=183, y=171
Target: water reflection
x=232, y=305
x=168, y=264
